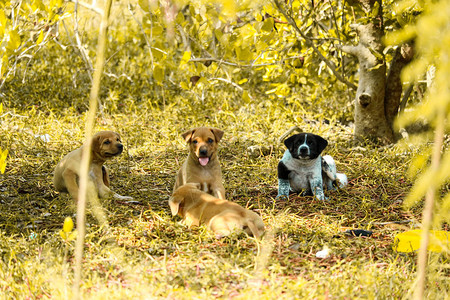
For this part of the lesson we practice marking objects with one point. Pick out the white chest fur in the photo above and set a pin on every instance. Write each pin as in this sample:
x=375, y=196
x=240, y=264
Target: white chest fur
x=302, y=171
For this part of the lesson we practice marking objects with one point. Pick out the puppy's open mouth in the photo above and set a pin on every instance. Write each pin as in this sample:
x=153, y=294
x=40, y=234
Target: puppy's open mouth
x=203, y=160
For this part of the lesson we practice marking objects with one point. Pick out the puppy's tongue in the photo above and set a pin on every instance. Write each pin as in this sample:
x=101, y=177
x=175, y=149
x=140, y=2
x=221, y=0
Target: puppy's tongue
x=203, y=161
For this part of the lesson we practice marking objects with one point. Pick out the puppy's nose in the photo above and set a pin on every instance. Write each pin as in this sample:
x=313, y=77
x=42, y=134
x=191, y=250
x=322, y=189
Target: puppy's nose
x=203, y=152
x=304, y=150
x=120, y=147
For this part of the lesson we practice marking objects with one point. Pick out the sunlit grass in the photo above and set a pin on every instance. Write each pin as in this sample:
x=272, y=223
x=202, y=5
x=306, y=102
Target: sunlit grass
x=147, y=253
x=144, y=252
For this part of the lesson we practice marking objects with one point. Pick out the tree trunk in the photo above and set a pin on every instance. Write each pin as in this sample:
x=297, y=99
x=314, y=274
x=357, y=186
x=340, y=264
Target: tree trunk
x=370, y=117
x=402, y=56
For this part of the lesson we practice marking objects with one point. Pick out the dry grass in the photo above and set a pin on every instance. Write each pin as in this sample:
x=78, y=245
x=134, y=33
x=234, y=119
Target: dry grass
x=145, y=253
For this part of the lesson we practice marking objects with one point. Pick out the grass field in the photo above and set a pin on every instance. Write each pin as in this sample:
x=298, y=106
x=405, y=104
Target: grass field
x=144, y=253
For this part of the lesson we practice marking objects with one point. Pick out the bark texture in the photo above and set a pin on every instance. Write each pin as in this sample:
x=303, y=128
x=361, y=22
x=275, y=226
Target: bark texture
x=370, y=118
x=402, y=56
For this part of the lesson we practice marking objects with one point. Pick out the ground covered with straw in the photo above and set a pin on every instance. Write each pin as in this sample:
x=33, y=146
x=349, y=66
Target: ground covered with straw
x=146, y=253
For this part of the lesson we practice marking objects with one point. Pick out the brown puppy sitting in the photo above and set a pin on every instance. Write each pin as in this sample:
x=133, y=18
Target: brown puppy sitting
x=202, y=164
x=105, y=144
x=221, y=216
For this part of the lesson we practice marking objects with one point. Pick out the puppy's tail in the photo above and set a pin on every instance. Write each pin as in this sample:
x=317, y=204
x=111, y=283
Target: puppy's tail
x=341, y=180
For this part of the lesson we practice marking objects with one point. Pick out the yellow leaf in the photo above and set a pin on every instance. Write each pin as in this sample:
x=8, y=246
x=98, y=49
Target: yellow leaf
x=186, y=57
x=4, y=65
x=68, y=224
x=229, y=8
x=68, y=236
x=3, y=155
x=40, y=37
x=409, y=241
x=3, y=18
x=184, y=85
x=72, y=235
x=14, y=40
x=242, y=81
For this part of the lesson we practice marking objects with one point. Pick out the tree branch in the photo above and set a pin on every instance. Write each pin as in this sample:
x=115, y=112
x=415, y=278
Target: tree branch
x=309, y=42
x=221, y=61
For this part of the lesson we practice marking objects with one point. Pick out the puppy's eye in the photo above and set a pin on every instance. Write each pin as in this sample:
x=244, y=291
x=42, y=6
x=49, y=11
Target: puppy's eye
x=118, y=140
x=107, y=142
x=194, y=142
x=210, y=141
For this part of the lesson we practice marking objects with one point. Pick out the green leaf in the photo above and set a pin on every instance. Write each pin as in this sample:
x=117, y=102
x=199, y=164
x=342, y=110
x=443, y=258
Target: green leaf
x=375, y=10
x=144, y=4
x=267, y=25
x=158, y=74
x=4, y=65
x=246, y=97
x=180, y=18
x=244, y=54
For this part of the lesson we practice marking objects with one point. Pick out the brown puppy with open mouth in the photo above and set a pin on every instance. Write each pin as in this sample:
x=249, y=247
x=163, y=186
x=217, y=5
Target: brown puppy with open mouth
x=105, y=145
x=202, y=164
x=221, y=216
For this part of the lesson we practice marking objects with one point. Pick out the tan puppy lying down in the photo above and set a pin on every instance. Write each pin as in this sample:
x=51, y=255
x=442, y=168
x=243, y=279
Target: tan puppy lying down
x=202, y=164
x=105, y=144
x=221, y=216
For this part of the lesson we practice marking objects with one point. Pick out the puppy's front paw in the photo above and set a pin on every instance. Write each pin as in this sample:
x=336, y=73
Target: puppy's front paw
x=318, y=193
x=119, y=197
x=282, y=197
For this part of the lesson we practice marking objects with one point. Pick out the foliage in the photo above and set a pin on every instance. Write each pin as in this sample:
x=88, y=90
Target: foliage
x=432, y=37
x=255, y=51
x=25, y=27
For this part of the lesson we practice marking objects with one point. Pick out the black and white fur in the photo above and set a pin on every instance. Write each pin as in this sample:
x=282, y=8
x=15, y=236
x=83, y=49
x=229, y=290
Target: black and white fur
x=302, y=168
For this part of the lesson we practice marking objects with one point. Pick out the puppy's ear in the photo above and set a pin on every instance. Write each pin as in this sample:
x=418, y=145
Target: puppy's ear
x=290, y=142
x=118, y=136
x=174, y=203
x=217, y=133
x=321, y=143
x=187, y=135
x=96, y=142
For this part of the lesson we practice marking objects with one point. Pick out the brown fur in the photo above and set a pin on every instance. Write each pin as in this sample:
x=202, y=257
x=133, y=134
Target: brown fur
x=203, y=144
x=221, y=216
x=105, y=144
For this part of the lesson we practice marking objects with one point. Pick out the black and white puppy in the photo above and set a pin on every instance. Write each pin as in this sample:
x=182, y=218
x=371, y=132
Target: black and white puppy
x=302, y=168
